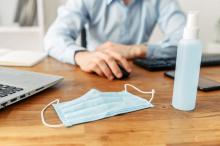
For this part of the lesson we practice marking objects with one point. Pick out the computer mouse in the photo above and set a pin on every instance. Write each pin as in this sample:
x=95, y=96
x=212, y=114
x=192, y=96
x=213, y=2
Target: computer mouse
x=125, y=74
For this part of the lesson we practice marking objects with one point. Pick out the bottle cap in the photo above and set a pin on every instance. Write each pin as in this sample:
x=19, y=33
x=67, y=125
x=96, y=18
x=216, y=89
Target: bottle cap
x=191, y=31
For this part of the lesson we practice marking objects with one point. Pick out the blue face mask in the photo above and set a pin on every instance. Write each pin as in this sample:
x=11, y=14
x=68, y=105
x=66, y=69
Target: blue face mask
x=96, y=105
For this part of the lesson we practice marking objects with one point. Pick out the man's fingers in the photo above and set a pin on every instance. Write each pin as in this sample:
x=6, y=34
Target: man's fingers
x=112, y=64
x=98, y=71
x=105, y=69
x=121, y=59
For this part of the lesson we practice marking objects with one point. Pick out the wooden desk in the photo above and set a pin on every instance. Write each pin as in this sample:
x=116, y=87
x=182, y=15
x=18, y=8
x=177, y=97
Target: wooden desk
x=20, y=124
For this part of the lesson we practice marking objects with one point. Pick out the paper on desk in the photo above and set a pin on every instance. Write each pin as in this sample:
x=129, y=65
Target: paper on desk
x=4, y=52
x=20, y=58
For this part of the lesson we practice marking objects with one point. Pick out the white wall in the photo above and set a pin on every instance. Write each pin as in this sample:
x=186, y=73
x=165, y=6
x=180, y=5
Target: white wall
x=51, y=10
x=14, y=37
x=209, y=14
x=7, y=11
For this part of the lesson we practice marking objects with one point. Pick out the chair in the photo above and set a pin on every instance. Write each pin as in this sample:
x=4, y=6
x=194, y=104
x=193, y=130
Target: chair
x=83, y=38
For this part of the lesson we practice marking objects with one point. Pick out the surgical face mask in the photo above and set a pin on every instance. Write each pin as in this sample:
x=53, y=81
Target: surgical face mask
x=96, y=105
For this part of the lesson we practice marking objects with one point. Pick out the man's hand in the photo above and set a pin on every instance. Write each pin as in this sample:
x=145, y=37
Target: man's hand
x=101, y=63
x=127, y=51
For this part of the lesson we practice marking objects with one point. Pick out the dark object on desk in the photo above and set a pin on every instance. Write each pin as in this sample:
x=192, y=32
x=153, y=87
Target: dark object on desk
x=205, y=84
x=83, y=38
x=158, y=64
x=125, y=74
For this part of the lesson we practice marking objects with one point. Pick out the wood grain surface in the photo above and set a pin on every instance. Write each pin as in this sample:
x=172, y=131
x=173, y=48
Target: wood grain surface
x=20, y=124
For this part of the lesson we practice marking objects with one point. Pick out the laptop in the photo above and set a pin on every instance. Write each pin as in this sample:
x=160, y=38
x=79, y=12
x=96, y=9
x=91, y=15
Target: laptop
x=17, y=85
x=158, y=64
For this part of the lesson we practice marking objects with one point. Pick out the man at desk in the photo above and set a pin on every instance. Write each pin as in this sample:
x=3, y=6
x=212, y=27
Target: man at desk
x=118, y=30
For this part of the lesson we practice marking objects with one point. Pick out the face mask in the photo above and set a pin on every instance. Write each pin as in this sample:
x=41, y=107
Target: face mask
x=96, y=105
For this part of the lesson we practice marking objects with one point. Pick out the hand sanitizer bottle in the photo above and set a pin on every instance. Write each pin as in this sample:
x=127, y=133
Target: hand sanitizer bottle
x=189, y=56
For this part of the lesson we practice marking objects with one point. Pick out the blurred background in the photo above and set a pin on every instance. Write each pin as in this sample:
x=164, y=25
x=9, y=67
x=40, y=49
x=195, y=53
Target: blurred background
x=23, y=23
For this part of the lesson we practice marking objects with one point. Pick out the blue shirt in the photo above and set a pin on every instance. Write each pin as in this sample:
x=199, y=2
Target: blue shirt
x=112, y=20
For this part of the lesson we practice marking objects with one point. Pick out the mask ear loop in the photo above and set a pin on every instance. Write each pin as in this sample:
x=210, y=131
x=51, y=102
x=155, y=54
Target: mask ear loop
x=43, y=119
x=144, y=92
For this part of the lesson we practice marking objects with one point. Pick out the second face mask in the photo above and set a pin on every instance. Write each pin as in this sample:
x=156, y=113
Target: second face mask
x=96, y=105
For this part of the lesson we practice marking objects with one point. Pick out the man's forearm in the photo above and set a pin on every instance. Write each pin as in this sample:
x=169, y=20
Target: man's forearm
x=127, y=51
x=138, y=50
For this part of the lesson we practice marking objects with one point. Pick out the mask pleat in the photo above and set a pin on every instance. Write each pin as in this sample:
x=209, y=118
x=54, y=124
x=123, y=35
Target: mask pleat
x=94, y=113
x=93, y=100
x=89, y=95
x=89, y=103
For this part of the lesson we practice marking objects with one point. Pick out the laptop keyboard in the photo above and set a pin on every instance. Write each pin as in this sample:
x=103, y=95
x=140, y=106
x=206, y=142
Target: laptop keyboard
x=6, y=90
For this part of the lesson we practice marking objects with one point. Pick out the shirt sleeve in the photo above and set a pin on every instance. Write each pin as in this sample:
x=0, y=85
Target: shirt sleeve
x=171, y=21
x=60, y=39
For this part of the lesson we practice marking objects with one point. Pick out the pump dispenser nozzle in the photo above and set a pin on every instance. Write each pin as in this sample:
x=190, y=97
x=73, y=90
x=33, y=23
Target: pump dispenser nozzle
x=191, y=31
